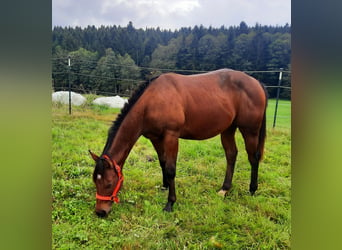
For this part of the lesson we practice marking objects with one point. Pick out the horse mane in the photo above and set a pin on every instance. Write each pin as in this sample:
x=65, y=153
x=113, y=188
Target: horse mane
x=125, y=110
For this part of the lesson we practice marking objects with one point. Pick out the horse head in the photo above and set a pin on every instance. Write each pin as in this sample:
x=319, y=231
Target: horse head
x=108, y=180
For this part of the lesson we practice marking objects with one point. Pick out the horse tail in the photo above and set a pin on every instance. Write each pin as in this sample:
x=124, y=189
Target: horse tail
x=262, y=131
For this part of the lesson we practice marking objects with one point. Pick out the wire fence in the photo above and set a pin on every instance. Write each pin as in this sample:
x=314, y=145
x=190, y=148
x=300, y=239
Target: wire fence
x=124, y=86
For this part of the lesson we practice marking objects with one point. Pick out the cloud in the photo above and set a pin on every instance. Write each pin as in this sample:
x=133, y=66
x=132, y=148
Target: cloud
x=147, y=12
x=164, y=7
x=169, y=14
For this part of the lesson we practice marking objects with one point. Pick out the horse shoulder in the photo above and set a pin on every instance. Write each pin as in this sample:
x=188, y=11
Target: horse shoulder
x=162, y=108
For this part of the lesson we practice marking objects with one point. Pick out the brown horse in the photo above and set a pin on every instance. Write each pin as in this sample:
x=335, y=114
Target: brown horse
x=174, y=106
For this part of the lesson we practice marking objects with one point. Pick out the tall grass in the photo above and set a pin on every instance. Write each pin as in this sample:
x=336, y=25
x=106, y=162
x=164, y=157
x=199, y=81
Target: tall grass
x=201, y=219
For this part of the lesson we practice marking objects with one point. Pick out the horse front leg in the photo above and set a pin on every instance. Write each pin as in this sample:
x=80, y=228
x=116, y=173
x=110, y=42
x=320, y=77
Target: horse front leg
x=170, y=171
x=159, y=147
x=171, y=151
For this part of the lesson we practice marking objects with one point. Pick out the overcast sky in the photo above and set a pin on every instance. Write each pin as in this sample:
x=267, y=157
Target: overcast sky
x=170, y=14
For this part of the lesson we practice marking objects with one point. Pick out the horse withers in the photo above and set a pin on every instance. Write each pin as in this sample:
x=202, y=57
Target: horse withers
x=173, y=106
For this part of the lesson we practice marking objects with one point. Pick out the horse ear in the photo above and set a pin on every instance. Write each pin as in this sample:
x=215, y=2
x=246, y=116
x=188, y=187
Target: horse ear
x=94, y=156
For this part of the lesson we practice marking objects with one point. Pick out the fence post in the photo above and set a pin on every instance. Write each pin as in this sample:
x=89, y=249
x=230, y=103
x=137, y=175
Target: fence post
x=69, y=85
x=277, y=100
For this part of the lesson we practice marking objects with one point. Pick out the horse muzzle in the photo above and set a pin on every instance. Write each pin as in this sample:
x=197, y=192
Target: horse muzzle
x=102, y=209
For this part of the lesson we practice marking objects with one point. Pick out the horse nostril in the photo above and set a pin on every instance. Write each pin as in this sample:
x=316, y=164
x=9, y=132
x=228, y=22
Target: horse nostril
x=101, y=213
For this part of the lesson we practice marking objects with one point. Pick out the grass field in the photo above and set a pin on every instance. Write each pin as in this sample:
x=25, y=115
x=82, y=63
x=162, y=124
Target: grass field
x=201, y=219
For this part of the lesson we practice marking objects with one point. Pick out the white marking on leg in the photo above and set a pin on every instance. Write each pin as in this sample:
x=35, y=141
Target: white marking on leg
x=222, y=192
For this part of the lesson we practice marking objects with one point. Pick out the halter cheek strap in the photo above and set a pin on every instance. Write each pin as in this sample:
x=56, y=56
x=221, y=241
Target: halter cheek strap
x=114, y=197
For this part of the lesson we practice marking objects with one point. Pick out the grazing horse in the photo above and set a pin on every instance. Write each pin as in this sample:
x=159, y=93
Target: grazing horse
x=173, y=106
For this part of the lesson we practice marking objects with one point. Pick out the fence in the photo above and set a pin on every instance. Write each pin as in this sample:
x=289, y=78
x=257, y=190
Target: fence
x=130, y=84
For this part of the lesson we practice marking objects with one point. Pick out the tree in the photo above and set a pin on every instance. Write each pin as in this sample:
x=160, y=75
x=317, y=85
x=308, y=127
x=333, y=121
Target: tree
x=198, y=48
x=83, y=64
x=105, y=73
x=186, y=53
x=114, y=73
x=280, y=51
x=128, y=72
x=165, y=57
x=243, y=28
x=60, y=68
x=240, y=56
x=209, y=48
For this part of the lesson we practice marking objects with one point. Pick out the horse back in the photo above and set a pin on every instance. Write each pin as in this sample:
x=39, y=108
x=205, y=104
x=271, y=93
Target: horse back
x=201, y=106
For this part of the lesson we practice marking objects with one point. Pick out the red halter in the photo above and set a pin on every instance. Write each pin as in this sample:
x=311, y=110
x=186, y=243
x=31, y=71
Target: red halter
x=114, y=197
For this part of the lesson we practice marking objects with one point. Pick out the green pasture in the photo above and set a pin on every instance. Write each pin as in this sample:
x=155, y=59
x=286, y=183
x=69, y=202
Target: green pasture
x=201, y=218
x=283, y=119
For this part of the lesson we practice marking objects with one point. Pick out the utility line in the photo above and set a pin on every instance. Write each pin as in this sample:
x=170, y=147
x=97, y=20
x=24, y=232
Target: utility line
x=164, y=69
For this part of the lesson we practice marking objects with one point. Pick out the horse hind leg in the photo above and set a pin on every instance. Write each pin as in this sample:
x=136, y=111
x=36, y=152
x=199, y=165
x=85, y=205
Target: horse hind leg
x=229, y=145
x=251, y=139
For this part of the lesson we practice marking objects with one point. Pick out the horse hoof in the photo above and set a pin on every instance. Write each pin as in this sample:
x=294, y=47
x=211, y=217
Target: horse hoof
x=222, y=192
x=168, y=207
x=252, y=190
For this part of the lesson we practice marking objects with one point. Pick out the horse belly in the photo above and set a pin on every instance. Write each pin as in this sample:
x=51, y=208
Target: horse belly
x=204, y=125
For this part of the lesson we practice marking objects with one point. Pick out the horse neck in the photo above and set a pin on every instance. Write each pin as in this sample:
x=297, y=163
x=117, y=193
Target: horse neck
x=126, y=137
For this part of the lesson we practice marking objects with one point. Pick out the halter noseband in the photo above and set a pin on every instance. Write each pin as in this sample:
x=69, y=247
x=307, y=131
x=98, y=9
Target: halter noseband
x=114, y=197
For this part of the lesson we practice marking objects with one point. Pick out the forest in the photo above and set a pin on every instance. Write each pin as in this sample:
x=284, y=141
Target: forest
x=111, y=60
